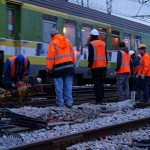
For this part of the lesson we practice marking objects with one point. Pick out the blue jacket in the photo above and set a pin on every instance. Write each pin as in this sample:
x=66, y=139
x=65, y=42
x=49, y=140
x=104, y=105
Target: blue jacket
x=136, y=61
x=7, y=71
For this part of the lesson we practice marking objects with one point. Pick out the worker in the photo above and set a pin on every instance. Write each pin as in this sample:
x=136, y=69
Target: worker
x=135, y=62
x=144, y=72
x=16, y=69
x=123, y=72
x=97, y=63
x=60, y=62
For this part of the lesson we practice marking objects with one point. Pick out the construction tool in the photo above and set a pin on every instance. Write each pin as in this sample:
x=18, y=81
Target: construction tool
x=141, y=144
x=23, y=121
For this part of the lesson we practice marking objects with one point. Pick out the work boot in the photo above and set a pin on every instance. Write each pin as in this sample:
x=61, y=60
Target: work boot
x=99, y=101
x=69, y=106
x=59, y=105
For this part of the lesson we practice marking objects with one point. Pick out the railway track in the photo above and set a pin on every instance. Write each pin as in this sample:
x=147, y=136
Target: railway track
x=68, y=140
x=80, y=95
x=62, y=142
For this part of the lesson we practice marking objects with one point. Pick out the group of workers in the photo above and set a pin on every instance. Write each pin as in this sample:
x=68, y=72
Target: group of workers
x=141, y=71
x=60, y=61
x=135, y=65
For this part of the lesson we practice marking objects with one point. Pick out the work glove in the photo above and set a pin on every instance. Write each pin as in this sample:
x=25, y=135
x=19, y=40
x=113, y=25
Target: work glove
x=89, y=71
x=142, y=76
x=50, y=71
x=13, y=85
x=115, y=73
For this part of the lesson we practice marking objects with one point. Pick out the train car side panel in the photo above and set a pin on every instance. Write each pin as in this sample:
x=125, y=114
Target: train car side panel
x=31, y=27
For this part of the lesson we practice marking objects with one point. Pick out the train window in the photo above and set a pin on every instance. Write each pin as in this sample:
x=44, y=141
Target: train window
x=103, y=34
x=115, y=40
x=137, y=41
x=10, y=22
x=49, y=22
x=115, y=33
x=127, y=40
x=85, y=35
x=47, y=27
x=69, y=30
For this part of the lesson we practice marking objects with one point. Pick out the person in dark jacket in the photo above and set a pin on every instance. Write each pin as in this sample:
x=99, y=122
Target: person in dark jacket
x=135, y=62
x=123, y=70
x=97, y=63
x=144, y=72
x=16, y=69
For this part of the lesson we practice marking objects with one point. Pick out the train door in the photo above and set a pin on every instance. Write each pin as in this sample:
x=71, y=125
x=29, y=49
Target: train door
x=13, y=29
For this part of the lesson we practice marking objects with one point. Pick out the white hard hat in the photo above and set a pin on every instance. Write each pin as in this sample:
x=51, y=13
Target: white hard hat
x=94, y=32
x=131, y=52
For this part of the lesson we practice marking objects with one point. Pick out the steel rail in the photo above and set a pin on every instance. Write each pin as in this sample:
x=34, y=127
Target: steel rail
x=61, y=143
x=80, y=95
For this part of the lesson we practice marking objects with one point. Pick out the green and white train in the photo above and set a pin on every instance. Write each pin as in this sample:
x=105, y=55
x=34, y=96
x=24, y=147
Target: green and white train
x=25, y=26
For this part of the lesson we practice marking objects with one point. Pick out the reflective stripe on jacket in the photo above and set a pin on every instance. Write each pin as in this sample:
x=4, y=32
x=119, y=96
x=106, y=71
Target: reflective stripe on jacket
x=60, y=51
x=12, y=67
x=144, y=67
x=125, y=63
x=99, y=54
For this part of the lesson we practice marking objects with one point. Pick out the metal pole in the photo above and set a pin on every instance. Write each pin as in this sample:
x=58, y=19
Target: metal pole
x=82, y=2
x=109, y=6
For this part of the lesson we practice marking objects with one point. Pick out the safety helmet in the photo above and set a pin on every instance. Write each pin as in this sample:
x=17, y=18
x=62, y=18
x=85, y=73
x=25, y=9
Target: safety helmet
x=20, y=60
x=94, y=32
x=131, y=52
x=142, y=46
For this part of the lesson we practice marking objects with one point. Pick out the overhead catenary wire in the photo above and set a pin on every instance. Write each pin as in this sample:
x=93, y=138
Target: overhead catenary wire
x=133, y=7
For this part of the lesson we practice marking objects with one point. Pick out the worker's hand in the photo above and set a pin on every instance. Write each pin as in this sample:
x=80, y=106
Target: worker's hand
x=50, y=72
x=115, y=73
x=13, y=85
x=142, y=76
x=89, y=71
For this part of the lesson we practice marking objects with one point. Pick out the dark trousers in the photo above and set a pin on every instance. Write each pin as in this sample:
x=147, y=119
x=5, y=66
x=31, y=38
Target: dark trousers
x=122, y=86
x=143, y=86
x=98, y=79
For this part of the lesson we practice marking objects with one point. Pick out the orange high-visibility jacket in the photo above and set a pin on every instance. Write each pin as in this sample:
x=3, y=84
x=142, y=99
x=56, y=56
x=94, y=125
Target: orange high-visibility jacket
x=60, y=50
x=125, y=63
x=99, y=54
x=144, y=67
x=12, y=67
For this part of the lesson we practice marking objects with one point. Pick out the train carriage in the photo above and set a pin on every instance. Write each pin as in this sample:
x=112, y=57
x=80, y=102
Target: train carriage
x=25, y=26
